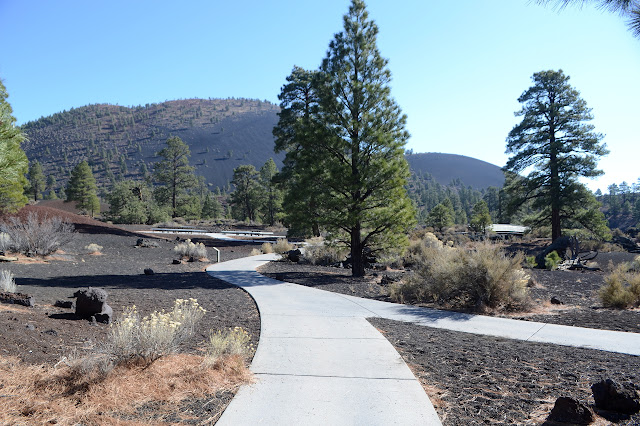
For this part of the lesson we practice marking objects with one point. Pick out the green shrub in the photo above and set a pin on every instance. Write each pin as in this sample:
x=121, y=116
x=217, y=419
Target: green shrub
x=622, y=288
x=190, y=249
x=531, y=262
x=133, y=338
x=552, y=260
x=485, y=277
x=231, y=342
x=7, y=283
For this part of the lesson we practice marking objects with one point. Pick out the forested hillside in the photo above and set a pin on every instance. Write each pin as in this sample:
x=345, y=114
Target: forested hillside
x=121, y=142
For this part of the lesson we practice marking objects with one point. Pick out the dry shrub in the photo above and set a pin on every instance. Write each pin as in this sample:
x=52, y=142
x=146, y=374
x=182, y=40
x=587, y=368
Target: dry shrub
x=93, y=248
x=319, y=252
x=133, y=338
x=235, y=341
x=5, y=242
x=37, y=235
x=255, y=252
x=7, y=283
x=190, y=249
x=282, y=246
x=266, y=248
x=478, y=279
x=42, y=394
x=622, y=287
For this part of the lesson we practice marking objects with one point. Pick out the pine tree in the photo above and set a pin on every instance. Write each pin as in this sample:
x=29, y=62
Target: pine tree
x=13, y=161
x=82, y=189
x=36, y=180
x=211, y=207
x=481, y=218
x=553, y=139
x=272, y=194
x=357, y=140
x=174, y=173
x=246, y=199
x=441, y=216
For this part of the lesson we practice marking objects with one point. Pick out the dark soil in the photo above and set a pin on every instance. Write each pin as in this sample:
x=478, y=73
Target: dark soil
x=473, y=379
x=577, y=290
x=44, y=334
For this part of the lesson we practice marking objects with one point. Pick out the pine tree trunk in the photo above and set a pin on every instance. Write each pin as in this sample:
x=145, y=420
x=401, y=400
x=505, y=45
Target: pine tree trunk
x=357, y=261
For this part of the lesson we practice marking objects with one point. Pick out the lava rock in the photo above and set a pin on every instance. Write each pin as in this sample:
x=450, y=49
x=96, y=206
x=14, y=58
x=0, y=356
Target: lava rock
x=143, y=242
x=149, y=271
x=612, y=396
x=66, y=304
x=177, y=262
x=17, y=299
x=294, y=255
x=92, y=302
x=556, y=301
x=569, y=410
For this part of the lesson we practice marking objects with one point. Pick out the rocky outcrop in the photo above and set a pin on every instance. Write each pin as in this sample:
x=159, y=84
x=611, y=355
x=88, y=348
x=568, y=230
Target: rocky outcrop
x=92, y=304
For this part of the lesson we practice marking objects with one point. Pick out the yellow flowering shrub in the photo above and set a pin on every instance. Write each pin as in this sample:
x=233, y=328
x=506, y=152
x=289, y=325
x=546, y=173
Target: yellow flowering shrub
x=155, y=335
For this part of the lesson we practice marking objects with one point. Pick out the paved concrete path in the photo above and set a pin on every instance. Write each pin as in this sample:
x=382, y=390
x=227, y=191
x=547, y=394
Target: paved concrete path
x=320, y=362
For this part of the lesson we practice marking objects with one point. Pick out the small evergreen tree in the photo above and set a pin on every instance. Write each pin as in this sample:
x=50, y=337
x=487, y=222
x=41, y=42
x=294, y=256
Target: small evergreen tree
x=36, y=180
x=441, y=216
x=211, y=207
x=174, y=174
x=272, y=194
x=481, y=218
x=82, y=189
x=247, y=197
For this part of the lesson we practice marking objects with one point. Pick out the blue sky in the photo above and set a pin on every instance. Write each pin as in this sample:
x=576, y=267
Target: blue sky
x=458, y=67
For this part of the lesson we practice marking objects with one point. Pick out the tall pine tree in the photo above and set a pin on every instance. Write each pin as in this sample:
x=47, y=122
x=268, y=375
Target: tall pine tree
x=555, y=142
x=174, y=174
x=356, y=140
x=36, y=180
x=82, y=189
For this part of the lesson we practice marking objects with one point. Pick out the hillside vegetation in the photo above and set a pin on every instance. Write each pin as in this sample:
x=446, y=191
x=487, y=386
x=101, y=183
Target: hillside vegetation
x=121, y=142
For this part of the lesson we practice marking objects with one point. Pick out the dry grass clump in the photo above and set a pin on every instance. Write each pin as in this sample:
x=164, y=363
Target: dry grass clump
x=622, y=287
x=38, y=394
x=282, y=246
x=93, y=248
x=319, y=252
x=5, y=242
x=133, y=338
x=255, y=252
x=38, y=236
x=233, y=342
x=484, y=277
x=7, y=283
x=266, y=248
x=191, y=250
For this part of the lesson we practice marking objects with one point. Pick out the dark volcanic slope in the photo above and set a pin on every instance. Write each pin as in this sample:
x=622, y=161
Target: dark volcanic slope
x=446, y=167
x=221, y=133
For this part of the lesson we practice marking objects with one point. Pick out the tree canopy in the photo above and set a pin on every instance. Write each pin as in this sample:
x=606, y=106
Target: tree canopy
x=82, y=189
x=174, y=174
x=554, y=143
x=13, y=161
x=344, y=122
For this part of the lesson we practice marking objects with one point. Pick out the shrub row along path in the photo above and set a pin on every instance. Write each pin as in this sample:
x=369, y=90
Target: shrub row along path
x=318, y=358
